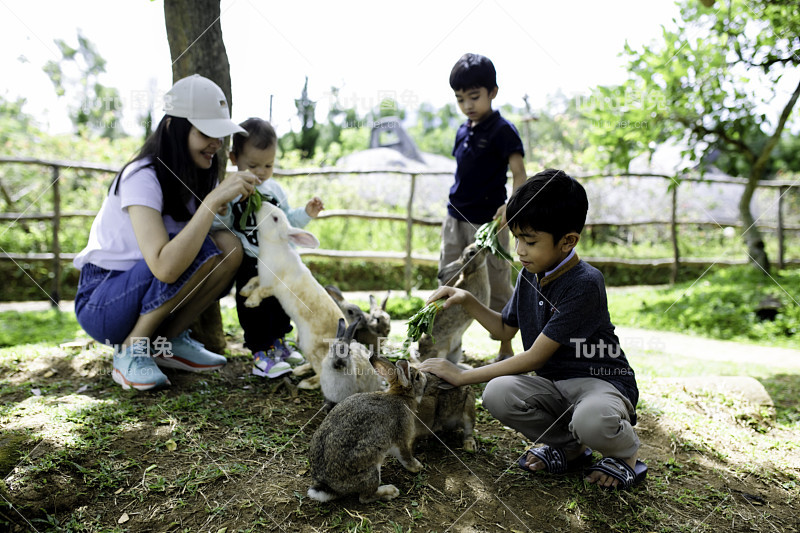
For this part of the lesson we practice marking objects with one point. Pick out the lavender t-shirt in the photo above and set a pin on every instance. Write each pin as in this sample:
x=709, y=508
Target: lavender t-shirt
x=112, y=243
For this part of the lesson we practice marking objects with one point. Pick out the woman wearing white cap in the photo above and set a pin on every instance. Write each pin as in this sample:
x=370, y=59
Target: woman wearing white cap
x=151, y=264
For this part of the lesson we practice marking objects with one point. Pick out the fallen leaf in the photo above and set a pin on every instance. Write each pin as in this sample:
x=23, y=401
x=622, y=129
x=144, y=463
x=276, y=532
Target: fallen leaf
x=223, y=530
x=171, y=445
x=36, y=392
x=119, y=490
x=84, y=388
x=124, y=518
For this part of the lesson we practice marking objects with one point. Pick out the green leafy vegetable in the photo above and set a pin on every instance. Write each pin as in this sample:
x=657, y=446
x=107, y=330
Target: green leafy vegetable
x=254, y=202
x=422, y=322
x=486, y=237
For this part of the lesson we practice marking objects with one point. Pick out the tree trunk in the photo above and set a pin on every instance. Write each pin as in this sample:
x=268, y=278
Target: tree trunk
x=195, y=41
x=752, y=236
x=196, y=47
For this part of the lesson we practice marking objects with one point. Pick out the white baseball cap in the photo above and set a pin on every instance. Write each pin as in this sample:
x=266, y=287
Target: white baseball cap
x=203, y=104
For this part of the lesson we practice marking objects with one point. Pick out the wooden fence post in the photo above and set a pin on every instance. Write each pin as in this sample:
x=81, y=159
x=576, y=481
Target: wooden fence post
x=674, y=234
x=781, y=192
x=409, y=233
x=56, y=296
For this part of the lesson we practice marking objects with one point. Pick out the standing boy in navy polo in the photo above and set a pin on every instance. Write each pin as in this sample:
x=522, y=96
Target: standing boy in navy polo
x=584, y=393
x=486, y=146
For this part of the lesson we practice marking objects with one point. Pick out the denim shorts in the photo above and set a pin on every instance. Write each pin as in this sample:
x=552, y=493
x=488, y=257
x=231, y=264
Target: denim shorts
x=109, y=302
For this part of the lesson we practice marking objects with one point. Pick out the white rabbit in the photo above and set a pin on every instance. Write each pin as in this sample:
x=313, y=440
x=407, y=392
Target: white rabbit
x=281, y=273
x=346, y=369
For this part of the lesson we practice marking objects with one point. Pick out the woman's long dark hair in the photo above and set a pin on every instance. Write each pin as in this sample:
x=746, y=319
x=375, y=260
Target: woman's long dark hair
x=180, y=179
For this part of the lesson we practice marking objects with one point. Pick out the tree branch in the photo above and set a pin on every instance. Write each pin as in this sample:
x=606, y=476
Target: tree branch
x=719, y=132
x=772, y=142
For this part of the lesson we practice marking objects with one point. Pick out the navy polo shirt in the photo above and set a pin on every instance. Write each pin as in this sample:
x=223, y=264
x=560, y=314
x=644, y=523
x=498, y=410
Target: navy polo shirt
x=482, y=154
x=569, y=306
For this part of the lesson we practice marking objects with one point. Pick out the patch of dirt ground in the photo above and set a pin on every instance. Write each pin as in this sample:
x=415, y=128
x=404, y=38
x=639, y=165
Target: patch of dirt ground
x=228, y=452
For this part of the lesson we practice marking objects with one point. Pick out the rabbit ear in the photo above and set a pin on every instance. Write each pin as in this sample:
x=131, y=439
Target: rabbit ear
x=340, y=332
x=384, y=367
x=403, y=373
x=450, y=272
x=373, y=304
x=304, y=238
x=351, y=329
x=383, y=304
x=335, y=293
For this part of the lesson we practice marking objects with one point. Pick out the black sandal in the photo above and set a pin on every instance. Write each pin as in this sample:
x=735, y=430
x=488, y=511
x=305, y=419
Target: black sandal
x=620, y=470
x=555, y=460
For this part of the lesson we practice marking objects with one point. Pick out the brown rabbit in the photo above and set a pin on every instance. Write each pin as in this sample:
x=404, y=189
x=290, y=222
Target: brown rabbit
x=374, y=326
x=468, y=272
x=349, y=447
x=445, y=407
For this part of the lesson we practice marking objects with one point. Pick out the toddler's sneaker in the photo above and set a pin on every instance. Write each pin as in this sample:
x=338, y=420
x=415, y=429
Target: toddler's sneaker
x=268, y=364
x=288, y=352
x=185, y=353
x=135, y=369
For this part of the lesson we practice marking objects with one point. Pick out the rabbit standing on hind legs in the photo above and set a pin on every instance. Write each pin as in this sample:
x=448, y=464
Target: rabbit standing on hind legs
x=349, y=447
x=281, y=273
x=468, y=272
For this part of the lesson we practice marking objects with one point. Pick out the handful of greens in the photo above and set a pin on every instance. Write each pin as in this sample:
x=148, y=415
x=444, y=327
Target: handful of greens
x=486, y=237
x=422, y=322
x=253, y=205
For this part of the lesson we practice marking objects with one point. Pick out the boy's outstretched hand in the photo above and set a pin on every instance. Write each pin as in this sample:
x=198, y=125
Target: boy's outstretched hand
x=314, y=206
x=442, y=368
x=452, y=295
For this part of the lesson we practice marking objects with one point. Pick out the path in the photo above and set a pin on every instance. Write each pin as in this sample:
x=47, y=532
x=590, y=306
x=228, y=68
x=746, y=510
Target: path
x=631, y=338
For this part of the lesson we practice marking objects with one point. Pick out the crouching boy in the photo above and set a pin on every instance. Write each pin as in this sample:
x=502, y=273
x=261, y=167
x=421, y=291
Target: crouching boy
x=584, y=394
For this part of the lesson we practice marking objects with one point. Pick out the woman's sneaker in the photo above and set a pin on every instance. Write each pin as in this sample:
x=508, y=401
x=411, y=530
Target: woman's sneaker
x=134, y=368
x=185, y=353
x=268, y=364
x=288, y=352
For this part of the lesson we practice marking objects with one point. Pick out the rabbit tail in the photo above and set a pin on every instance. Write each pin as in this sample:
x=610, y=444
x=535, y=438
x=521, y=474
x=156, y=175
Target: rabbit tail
x=321, y=492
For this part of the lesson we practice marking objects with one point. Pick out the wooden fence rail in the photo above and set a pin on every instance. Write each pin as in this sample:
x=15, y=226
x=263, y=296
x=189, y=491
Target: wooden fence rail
x=408, y=257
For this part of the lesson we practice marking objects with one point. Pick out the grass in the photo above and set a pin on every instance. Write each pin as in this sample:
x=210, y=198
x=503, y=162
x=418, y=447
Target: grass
x=720, y=305
x=103, y=452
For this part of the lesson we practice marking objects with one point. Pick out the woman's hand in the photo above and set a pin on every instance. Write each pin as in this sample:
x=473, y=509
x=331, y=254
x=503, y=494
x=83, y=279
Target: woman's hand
x=236, y=185
x=314, y=206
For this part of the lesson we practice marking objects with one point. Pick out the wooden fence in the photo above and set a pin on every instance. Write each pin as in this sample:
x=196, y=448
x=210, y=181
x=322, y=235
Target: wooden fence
x=407, y=256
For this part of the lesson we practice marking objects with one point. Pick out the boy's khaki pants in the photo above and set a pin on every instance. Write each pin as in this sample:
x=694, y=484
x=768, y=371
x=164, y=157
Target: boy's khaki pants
x=565, y=414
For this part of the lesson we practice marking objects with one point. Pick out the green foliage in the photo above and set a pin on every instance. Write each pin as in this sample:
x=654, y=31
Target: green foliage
x=306, y=140
x=435, y=130
x=721, y=305
x=32, y=327
x=94, y=107
x=363, y=276
x=701, y=84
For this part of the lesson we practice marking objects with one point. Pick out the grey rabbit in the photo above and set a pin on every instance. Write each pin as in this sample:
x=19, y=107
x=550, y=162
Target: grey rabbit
x=349, y=447
x=446, y=408
x=468, y=272
x=374, y=326
x=346, y=369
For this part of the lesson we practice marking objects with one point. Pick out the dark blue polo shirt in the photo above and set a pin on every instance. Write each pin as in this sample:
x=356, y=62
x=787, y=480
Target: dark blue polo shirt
x=482, y=154
x=570, y=307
